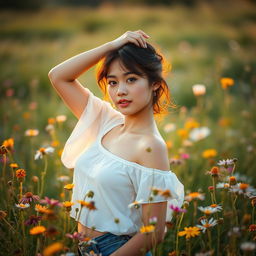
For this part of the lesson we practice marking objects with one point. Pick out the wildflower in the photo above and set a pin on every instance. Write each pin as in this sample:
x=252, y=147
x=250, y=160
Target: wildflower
x=169, y=127
x=9, y=144
x=22, y=206
x=37, y=230
x=184, y=156
x=248, y=246
x=227, y=162
x=207, y=224
x=176, y=208
x=43, y=151
x=166, y=193
x=63, y=178
x=13, y=165
x=194, y=195
x=51, y=120
x=29, y=197
x=242, y=188
x=198, y=89
x=226, y=82
x=49, y=128
x=31, y=132
x=169, y=144
x=76, y=236
x=232, y=180
x=224, y=122
x=222, y=185
x=61, y=118
x=208, y=210
x=32, y=220
x=183, y=133
x=69, y=186
x=209, y=153
x=199, y=133
x=153, y=221
x=135, y=204
x=20, y=173
x=147, y=229
x=67, y=205
x=191, y=124
x=189, y=232
x=49, y=201
x=90, y=205
x=35, y=179
x=3, y=150
x=215, y=171
x=42, y=209
x=53, y=248
x=252, y=228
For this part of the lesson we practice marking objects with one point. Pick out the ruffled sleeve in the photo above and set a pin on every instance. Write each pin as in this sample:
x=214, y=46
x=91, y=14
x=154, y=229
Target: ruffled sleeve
x=145, y=180
x=96, y=115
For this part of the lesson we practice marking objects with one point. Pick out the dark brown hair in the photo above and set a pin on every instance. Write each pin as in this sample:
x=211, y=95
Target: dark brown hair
x=142, y=61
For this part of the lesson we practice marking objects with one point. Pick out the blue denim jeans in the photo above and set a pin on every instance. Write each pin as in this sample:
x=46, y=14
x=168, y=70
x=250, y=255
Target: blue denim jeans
x=105, y=245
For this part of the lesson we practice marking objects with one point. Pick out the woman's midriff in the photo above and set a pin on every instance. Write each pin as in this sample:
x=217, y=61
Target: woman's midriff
x=88, y=232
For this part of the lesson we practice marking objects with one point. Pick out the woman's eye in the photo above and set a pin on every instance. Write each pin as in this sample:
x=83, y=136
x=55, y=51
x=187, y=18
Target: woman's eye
x=132, y=79
x=111, y=83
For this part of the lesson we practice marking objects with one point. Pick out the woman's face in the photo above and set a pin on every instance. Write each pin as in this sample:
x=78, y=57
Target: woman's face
x=123, y=84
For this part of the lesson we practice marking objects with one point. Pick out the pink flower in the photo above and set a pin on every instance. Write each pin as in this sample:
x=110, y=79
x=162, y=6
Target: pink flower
x=177, y=209
x=51, y=202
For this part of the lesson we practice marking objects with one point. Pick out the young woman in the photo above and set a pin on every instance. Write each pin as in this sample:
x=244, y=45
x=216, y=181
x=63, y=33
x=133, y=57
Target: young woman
x=120, y=159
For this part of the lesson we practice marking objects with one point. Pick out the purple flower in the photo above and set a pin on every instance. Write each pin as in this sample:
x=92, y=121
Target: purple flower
x=28, y=198
x=177, y=209
x=76, y=235
x=32, y=220
x=51, y=202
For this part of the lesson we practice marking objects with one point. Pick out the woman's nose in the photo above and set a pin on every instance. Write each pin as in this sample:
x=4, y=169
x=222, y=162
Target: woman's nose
x=121, y=89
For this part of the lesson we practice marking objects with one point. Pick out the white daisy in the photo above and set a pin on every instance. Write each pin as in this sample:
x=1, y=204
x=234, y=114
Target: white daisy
x=208, y=210
x=248, y=246
x=199, y=133
x=207, y=224
x=43, y=151
x=222, y=185
x=22, y=206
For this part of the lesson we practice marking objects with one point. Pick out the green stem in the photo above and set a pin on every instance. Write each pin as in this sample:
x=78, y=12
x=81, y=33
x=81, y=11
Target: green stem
x=177, y=236
x=43, y=175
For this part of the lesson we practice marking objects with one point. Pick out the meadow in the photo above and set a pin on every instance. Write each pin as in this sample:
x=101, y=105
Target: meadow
x=210, y=135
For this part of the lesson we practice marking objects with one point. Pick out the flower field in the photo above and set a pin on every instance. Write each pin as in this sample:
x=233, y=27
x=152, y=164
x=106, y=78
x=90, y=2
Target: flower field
x=210, y=134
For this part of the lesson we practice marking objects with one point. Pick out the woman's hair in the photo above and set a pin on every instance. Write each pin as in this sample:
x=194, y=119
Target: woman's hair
x=142, y=61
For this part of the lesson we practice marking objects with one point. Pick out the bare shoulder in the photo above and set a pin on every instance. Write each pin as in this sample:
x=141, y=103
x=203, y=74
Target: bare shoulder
x=152, y=152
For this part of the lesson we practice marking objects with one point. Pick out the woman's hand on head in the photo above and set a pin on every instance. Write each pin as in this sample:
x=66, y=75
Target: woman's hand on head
x=136, y=37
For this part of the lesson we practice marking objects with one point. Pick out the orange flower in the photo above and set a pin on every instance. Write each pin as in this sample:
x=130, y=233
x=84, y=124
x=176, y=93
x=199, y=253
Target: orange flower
x=67, y=204
x=147, y=229
x=190, y=232
x=9, y=144
x=226, y=82
x=14, y=165
x=53, y=248
x=183, y=133
x=191, y=123
x=31, y=132
x=243, y=186
x=232, y=180
x=20, y=173
x=51, y=120
x=194, y=195
x=89, y=205
x=209, y=153
x=166, y=193
x=37, y=230
x=42, y=209
x=69, y=186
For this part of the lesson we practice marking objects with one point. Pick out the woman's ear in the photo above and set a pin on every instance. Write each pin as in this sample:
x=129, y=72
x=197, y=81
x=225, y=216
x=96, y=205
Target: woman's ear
x=156, y=85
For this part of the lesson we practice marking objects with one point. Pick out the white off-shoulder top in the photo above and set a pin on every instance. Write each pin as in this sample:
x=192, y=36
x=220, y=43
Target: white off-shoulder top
x=116, y=182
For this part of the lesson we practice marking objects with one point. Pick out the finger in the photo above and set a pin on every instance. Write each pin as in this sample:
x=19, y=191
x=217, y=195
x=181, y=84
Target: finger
x=141, y=40
x=134, y=41
x=143, y=33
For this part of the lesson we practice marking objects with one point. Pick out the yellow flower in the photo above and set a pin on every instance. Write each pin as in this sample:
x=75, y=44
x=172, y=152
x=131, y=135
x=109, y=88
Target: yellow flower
x=190, y=232
x=67, y=204
x=31, y=132
x=209, y=153
x=14, y=165
x=42, y=209
x=226, y=82
x=147, y=229
x=37, y=230
x=194, y=195
x=53, y=248
x=51, y=120
x=89, y=205
x=166, y=193
x=183, y=133
x=69, y=186
x=191, y=123
x=9, y=143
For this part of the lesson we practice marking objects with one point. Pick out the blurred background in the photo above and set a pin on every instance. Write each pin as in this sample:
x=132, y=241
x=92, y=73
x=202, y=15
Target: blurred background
x=204, y=41
x=211, y=46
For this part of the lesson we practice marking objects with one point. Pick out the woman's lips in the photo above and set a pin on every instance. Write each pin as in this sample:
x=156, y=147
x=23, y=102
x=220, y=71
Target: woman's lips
x=124, y=104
